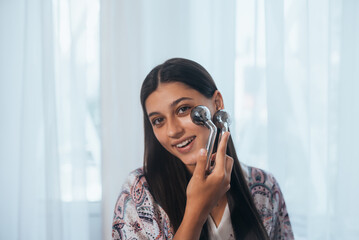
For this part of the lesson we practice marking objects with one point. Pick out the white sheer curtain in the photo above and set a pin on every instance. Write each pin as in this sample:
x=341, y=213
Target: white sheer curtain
x=136, y=36
x=46, y=142
x=297, y=72
x=30, y=190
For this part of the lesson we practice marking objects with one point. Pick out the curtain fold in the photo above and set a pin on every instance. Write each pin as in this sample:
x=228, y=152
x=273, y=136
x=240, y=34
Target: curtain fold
x=29, y=161
x=297, y=116
x=44, y=136
x=347, y=128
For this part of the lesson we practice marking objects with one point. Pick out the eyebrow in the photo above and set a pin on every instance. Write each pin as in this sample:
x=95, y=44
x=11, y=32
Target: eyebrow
x=174, y=103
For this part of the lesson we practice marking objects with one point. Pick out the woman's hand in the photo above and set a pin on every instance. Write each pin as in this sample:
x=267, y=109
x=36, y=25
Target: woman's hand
x=204, y=191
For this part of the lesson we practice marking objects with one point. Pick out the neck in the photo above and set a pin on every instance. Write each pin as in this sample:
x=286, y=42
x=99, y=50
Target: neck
x=218, y=210
x=191, y=167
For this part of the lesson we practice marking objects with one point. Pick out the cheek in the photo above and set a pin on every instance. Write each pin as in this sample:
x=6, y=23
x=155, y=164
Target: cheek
x=192, y=128
x=204, y=135
x=159, y=134
x=201, y=132
x=187, y=122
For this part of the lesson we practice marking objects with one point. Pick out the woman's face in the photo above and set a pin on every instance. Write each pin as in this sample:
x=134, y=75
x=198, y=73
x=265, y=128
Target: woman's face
x=169, y=108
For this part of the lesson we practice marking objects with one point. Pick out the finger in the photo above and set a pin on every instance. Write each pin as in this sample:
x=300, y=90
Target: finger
x=229, y=168
x=222, y=147
x=221, y=153
x=229, y=165
x=200, y=168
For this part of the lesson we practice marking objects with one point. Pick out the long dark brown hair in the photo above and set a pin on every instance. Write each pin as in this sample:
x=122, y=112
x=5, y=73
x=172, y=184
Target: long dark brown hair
x=168, y=177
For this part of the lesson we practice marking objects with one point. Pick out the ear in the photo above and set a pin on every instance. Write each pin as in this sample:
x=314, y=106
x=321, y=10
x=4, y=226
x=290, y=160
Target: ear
x=218, y=100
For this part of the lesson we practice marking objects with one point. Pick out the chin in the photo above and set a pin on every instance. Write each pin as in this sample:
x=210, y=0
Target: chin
x=187, y=161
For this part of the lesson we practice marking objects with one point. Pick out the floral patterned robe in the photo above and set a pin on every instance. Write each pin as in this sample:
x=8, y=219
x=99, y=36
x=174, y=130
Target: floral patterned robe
x=138, y=216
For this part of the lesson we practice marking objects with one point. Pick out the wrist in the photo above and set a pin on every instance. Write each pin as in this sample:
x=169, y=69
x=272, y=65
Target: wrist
x=195, y=217
x=191, y=226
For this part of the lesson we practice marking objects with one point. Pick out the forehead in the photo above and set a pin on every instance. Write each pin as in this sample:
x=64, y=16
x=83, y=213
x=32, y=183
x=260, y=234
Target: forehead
x=166, y=93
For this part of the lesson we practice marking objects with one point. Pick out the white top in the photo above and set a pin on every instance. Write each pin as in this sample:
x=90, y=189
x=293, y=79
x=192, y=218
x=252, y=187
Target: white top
x=224, y=231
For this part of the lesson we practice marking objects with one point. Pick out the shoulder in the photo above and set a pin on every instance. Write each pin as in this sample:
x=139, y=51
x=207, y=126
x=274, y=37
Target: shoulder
x=132, y=190
x=134, y=197
x=133, y=178
x=136, y=212
x=135, y=185
x=259, y=180
x=264, y=190
x=269, y=201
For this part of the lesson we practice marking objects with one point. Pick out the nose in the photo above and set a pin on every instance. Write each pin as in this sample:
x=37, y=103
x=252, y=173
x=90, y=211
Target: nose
x=174, y=128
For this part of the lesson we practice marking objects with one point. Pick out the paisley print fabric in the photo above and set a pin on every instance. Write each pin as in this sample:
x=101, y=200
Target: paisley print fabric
x=269, y=201
x=137, y=216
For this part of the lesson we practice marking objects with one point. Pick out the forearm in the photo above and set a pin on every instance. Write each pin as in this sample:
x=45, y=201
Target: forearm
x=191, y=226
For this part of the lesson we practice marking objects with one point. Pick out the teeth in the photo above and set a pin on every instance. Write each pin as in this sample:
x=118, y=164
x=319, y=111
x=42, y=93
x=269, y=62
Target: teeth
x=184, y=143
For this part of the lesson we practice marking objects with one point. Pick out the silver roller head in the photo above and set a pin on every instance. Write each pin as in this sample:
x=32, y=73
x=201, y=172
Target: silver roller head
x=200, y=115
x=222, y=119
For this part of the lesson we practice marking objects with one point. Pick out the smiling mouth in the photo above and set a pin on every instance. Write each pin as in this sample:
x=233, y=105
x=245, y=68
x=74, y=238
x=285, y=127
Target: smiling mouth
x=185, y=142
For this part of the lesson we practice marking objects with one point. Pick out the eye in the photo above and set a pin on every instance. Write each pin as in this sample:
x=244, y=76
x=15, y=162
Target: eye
x=157, y=121
x=183, y=110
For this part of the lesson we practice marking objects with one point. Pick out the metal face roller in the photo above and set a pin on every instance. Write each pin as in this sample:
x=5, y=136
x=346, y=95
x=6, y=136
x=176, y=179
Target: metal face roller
x=222, y=120
x=202, y=116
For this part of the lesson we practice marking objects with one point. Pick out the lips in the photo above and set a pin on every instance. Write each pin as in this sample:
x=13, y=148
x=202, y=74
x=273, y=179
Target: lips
x=185, y=145
x=185, y=142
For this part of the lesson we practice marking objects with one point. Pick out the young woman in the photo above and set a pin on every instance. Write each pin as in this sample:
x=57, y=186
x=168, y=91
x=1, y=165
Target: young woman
x=172, y=197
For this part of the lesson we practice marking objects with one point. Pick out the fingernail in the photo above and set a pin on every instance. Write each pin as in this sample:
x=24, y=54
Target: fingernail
x=202, y=152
